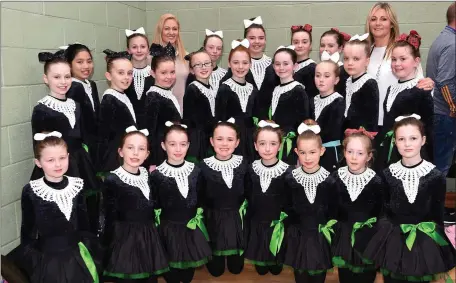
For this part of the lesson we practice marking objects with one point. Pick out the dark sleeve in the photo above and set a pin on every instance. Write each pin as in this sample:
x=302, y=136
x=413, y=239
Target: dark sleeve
x=193, y=114
x=190, y=79
x=83, y=217
x=302, y=105
x=221, y=102
x=152, y=115
x=385, y=206
x=110, y=208
x=248, y=184
x=426, y=111
x=154, y=189
x=29, y=230
x=256, y=104
x=264, y=102
x=438, y=199
x=379, y=197
x=333, y=198
x=370, y=97
x=39, y=122
x=106, y=121
x=201, y=189
x=75, y=92
x=228, y=75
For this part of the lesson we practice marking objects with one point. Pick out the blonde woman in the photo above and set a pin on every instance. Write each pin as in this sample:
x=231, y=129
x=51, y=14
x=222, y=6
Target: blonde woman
x=383, y=28
x=167, y=31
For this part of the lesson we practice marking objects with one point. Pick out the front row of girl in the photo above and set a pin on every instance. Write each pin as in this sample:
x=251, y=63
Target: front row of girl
x=183, y=215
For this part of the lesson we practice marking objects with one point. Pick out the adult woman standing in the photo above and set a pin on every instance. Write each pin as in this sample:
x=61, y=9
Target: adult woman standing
x=167, y=31
x=383, y=29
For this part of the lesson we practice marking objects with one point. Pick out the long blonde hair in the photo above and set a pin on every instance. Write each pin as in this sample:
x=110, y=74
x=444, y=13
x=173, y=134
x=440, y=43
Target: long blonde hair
x=158, y=35
x=394, y=24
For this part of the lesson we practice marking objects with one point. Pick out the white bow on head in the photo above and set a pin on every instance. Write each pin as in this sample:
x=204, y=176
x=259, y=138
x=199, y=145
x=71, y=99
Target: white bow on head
x=292, y=47
x=245, y=42
x=133, y=129
x=334, y=57
x=129, y=33
x=41, y=136
x=231, y=120
x=169, y=124
x=314, y=128
x=263, y=123
x=218, y=33
x=65, y=47
x=257, y=21
x=416, y=116
x=359, y=37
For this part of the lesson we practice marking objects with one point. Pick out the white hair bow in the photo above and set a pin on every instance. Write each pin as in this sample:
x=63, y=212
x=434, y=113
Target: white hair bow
x=359, y=37
x=245, y=42
x=41, y=136
x=263, y=123
x=133, y=129
x=65, y=47
x=129, y=33
x=334, y=57
x=314, y=128
x=257, y=21
x=231, y=120
x=169, y=124
x=218, y=33
x=416, y=116
x=292, y=47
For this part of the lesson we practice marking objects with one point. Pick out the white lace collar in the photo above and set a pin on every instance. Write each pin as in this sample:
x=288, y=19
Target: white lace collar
x=63, y=198
x=179, y=174
x=226, y=167
x=258, y=69
x=279, y=90
x=209, y=93
x=67, y=107
x=88, y=90
x=310, y=182
x=355, y=183
x=410, y=177
x=304, y=64
x=397, y=88
x=266, y=174
x=216, y=77
x=122, y=97
x=139, y=76
x=351, y=88
x=139, y=181
x=322, y=102
x=243, y=92
x=167, y=93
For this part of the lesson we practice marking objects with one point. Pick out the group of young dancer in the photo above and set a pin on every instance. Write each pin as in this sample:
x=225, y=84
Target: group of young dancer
x=267, y=162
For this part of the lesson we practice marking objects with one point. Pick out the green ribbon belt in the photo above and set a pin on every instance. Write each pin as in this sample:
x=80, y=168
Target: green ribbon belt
x=390, y=134
x=198, y=221
x=270, y=113
x=359, y=225
x=327, y=229
x=85, y=147
x=157, y=216
x=255, y=121
x=427, y=228
x=88, y=260
x=243, y=211
x=277, y=234
x=287, y=139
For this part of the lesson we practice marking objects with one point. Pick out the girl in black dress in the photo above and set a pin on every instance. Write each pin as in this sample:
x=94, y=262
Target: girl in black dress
x=138, y=48
x=404, y=98
x=199, y=105
x=161, y=104
x=301, y=38
x=56, y=245
x=223, y=183
x=177, y=188
x=267, y=199
x=410, y=244
x=359, y=192
x=307, y=242
x=135, y=253
x=116, y=110
x=361, y=96
x=238, y=99
x=329, y=107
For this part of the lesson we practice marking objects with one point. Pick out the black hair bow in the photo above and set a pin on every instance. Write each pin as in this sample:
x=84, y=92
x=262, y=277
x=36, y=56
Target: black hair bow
x=114, y=55
x=48, y=56
x=158, y=50
x=189, y=55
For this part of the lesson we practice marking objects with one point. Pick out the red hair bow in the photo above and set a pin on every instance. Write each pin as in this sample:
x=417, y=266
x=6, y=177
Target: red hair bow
x=361, y=130
x=413, y=38
x=335, y=29
x=345, y=36
x=305, y=27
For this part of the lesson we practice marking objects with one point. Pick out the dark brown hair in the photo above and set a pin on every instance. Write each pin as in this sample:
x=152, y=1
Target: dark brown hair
x=157, y=60
x=174, y=128
x=339, y=37
x=127, y=135
x=277, y=130
x=294, y=56
x=136, y=35
x=191, y=55
x=226, y=124
x=47, y=142
x=209, y=36
x=410, y=121
x=309, y=135
x=252, y=26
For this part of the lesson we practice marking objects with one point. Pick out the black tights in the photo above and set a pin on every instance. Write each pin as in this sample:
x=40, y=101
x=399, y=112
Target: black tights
x=179, y=275
x=388, y=279
x=346, y=276
x=145, y=280
x=274, y=269
x=216, y=266
x=305, y=277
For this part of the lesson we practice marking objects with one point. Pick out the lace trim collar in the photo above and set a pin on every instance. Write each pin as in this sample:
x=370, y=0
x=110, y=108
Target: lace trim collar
x=310, y=182
x=67, y=107
x=63, y=198
x=209, y=93
x=321, y=103
x=304, y=64
x=397, y=88
x=279, y=90
x=225, y=167
x=139, y=76
x=243, y=92
x=88, y=90
x=167, y=93
x=266, y=174
x=258, y=69
x=351, y=88
x=122, y=97
x=355, y=183
x=216, y=77
x=179, y=174
x=139, y=181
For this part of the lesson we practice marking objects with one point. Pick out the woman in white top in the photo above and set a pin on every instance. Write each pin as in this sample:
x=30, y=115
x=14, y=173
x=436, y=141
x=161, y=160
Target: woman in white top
x=383, y=28
x=168, y=30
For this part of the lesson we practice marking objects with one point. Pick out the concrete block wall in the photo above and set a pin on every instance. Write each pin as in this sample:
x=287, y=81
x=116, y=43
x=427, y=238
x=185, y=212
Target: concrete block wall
x=26, y=29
